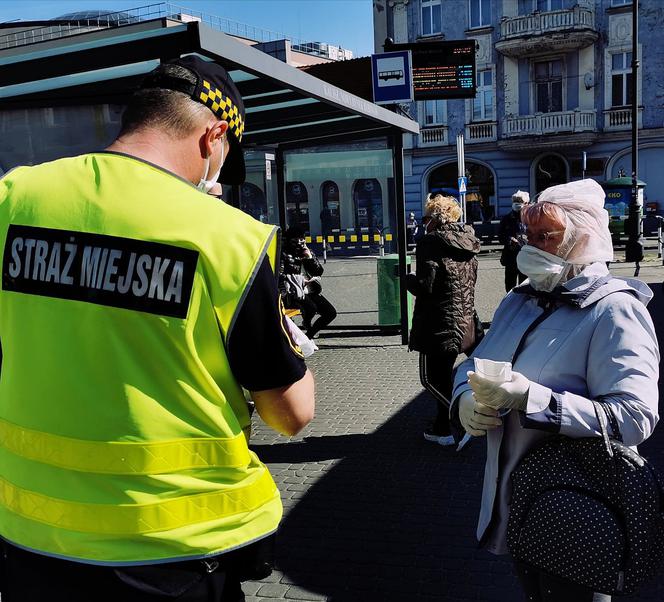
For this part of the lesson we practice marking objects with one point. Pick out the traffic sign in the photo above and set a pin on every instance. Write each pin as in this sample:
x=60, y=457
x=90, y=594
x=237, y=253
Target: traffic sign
x=463, y=183
x=392, y=76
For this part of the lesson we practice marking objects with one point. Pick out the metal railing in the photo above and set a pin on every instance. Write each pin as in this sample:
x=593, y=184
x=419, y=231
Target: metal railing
x=551, y=123
x=481, y=132
x=433, y=135
x=73, y=26
x=547, y=22
x=620, y=119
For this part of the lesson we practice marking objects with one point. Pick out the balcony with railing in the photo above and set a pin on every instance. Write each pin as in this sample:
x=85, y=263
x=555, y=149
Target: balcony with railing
x=483, y=131
x=563, y=122
x=551, y=31
x=432, y=136
x=616, y=119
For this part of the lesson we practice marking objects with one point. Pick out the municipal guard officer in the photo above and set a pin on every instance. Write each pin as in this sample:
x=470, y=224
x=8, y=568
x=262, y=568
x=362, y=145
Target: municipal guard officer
x=135, y=312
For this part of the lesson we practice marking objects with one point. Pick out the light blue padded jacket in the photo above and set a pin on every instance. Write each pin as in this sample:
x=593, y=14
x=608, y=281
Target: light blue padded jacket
x=598, y=342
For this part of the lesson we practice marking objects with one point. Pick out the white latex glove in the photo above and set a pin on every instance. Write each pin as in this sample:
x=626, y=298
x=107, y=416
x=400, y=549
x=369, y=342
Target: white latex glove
x=512, y=394
x=475, y=417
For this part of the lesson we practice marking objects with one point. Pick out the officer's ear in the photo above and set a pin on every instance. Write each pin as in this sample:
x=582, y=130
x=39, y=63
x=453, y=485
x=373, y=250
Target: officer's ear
x=214, y=135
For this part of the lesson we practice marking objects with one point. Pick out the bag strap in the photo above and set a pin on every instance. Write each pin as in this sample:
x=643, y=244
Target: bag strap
x=602, y=420
x=615, y=427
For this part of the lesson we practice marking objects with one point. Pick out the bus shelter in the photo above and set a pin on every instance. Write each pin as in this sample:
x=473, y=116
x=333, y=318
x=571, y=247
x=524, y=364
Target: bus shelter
x=63, y=95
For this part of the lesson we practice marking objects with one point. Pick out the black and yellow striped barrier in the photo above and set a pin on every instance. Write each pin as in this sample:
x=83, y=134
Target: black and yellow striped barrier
x=346, y=238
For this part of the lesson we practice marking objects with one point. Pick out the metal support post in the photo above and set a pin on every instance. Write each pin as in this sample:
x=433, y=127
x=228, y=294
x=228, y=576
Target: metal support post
x=634, y=247
x=281, y=187
x=461, y=168
x=400, y=203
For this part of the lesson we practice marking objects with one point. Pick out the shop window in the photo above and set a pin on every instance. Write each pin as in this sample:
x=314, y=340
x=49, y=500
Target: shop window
x=368, y=202
x=481, y=188
x=330, y=218
x=297, y=205
x=252, y=201
x=550, y=170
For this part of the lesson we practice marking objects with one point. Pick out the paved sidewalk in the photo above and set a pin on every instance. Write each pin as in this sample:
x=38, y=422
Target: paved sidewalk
x=374, y=512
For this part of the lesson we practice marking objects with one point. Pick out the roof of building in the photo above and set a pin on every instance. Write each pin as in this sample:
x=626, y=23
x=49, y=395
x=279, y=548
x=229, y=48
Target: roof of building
x=284, y=105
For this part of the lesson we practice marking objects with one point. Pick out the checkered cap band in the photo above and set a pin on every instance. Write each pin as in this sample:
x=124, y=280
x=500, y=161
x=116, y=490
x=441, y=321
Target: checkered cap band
x=223, y=107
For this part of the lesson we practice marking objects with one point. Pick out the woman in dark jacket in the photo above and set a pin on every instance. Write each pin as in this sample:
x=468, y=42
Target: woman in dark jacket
x=444, y=287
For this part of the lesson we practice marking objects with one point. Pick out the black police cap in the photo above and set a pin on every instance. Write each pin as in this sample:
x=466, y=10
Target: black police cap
x=216, y=90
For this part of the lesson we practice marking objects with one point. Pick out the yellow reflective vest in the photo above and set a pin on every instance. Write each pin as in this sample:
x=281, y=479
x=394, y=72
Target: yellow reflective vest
x=123, y=433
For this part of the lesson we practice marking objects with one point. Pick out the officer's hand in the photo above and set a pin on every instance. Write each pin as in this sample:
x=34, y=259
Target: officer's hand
x=512, y=394
x=475, y=417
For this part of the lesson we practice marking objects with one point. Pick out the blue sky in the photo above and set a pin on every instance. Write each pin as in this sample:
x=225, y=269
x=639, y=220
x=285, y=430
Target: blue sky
x=347, y=23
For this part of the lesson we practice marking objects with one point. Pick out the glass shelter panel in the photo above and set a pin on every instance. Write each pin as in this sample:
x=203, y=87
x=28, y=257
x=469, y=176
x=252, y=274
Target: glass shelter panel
x=350, y=196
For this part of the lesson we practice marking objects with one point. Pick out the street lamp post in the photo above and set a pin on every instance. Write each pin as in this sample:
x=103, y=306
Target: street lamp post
x=634, y=248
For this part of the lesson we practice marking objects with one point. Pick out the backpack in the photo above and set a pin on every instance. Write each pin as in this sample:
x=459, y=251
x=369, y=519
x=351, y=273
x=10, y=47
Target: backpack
x=590, y=510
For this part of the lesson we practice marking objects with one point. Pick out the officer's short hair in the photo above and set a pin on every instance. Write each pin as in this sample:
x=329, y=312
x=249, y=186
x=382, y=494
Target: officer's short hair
x=168, y=110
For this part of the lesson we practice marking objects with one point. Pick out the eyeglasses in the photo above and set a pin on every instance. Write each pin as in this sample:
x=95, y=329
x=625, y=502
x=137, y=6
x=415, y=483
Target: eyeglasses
x=542, y=237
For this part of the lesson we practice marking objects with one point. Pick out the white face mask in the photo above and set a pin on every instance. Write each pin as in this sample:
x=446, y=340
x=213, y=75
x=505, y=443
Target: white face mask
x=205, y=185
x=544, y=270
x=517, y=207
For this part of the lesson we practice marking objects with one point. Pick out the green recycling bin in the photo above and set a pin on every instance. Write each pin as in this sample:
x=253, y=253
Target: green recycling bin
x=389, y=305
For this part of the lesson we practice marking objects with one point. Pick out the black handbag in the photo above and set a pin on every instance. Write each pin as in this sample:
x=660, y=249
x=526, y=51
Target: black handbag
x=590, y=510
x=473, y=335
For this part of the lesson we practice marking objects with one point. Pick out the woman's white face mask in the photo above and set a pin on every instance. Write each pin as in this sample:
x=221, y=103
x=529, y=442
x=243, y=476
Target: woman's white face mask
x=544, y=270
x=205, y=185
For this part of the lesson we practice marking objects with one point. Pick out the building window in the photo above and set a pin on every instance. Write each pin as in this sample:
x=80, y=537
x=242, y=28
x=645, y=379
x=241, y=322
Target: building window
x=621, y=79
x=480, y=13
x=431, y=17
x=545, y=6
x=434, y=113
x=549, y=86
x=620, y=2
x=483, y=101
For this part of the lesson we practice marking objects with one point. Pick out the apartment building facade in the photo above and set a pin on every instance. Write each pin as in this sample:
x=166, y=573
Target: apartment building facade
x=553, y=81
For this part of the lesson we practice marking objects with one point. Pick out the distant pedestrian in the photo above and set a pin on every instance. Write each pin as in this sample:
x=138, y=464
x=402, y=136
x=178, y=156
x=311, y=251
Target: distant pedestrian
x=444, y=289
x=412, y=231
x=511, y=234
x=574, y=335
x=301, y=283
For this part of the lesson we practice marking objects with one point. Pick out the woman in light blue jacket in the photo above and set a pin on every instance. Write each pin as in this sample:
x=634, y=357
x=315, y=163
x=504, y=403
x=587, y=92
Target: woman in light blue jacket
x=573, y=334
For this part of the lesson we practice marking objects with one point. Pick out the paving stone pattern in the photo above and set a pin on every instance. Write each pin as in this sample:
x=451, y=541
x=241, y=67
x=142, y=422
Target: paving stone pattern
x=373, y=512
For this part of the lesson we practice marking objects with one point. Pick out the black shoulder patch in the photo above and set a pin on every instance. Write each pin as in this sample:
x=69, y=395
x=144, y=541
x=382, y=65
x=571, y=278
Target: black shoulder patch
x=106, y=270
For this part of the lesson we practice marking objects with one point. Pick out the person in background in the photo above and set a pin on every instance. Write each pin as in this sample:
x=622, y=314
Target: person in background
x=511, y=234
x=444, y=289
x=412, y=230
x=573, y=334
x=301, y=283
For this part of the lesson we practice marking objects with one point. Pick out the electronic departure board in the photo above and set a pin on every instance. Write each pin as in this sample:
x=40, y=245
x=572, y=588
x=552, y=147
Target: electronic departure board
x=442, y=69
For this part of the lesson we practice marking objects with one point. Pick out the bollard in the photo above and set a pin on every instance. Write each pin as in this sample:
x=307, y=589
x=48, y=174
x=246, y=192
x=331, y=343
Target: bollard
x=381, y=246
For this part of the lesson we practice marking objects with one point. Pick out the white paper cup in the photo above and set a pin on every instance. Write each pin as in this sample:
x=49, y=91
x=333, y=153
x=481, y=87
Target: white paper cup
x=496, y=372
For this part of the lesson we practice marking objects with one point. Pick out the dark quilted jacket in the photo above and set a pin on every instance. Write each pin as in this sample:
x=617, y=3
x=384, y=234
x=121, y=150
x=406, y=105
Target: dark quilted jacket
x=444, y=288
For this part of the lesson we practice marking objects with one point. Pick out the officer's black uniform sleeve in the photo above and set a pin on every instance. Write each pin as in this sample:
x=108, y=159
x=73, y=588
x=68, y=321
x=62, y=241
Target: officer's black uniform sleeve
x=261, y=353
